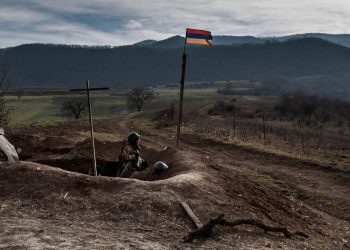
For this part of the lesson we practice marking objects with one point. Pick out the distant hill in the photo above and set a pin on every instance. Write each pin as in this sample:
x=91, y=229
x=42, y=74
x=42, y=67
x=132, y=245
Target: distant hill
x=341, y=39
x=127, y=66
x=145, y=43
x=236, y=40
x=169, y=43
x=178, y=41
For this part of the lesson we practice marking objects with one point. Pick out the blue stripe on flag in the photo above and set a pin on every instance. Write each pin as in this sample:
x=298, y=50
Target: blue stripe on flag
x=199, y=36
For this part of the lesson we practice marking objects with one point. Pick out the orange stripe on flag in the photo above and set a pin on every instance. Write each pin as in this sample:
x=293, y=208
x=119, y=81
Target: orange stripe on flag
x=199, y=41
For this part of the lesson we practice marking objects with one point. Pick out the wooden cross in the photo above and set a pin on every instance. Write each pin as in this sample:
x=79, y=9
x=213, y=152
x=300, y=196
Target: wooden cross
x=88, y=89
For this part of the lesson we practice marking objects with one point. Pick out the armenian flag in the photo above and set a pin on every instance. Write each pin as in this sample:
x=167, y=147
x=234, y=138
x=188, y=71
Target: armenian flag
x=199, y=37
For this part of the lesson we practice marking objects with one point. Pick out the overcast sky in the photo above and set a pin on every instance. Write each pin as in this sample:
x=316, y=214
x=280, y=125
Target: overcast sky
x=119, y=22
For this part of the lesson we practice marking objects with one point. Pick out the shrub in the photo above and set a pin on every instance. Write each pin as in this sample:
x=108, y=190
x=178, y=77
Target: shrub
x=313, y=108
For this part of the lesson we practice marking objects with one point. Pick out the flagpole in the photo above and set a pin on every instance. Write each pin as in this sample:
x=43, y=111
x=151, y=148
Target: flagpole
x=182, y=85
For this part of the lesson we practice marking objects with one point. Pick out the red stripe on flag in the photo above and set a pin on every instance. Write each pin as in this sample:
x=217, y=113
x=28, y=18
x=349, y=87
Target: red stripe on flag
x=201, y=32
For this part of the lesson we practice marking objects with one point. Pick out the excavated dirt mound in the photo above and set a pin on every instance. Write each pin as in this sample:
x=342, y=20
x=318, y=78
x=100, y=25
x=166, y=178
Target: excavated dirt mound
x=129, y=206
x=69, y=154
x=48, y=207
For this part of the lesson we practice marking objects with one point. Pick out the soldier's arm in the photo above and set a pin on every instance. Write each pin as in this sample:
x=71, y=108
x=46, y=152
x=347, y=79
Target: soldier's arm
x=128, y=154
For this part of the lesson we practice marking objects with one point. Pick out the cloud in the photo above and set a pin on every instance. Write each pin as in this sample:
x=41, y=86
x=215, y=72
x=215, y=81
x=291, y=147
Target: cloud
x=133, y=24
x=11, y=15
x=62, y=32
x=118, y=22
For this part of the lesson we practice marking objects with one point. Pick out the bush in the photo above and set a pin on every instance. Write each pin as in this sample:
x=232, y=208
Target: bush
x=221, y=108
x=313, y=108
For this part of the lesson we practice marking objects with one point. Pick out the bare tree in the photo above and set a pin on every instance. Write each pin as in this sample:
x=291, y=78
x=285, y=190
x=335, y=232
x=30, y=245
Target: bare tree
x=74, y=107
x=138, y=96
x=4, y=80
x=19, y=93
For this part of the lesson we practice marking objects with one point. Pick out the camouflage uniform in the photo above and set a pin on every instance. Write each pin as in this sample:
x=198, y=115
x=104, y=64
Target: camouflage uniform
x=130, y=161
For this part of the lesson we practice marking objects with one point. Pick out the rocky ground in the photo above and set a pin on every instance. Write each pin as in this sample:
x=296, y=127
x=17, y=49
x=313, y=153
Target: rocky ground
x=61, y=207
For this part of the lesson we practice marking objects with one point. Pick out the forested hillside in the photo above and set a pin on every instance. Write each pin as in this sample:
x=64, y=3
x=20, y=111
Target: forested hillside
x=127, y=66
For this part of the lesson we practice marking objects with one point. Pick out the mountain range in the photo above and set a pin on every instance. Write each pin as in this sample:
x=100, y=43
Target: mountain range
x=178, y=41
x=153, y=62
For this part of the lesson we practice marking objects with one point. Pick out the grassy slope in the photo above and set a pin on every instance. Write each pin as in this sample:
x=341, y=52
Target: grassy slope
x=45, y=110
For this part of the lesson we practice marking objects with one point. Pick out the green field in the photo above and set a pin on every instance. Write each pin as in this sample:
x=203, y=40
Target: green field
x=46, y=110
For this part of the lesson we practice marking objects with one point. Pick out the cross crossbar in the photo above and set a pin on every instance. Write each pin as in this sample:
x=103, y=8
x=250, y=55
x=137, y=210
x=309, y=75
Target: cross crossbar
x=90, y=89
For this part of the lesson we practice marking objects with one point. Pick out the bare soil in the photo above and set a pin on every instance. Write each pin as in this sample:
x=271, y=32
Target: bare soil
x=61, y=207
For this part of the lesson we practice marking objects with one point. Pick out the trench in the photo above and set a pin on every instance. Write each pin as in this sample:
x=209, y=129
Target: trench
x=75, y=156
x=107, y=161
x=105, y=168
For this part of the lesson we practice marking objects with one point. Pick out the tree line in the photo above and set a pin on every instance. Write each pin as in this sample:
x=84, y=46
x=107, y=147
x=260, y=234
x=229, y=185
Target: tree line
x=312, y=109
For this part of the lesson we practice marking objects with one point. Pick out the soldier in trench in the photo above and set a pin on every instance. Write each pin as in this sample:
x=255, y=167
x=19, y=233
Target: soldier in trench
x=130, y=159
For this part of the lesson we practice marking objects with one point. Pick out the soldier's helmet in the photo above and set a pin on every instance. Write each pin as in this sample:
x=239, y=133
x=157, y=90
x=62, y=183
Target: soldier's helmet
x=133, y=138
x=160, y=167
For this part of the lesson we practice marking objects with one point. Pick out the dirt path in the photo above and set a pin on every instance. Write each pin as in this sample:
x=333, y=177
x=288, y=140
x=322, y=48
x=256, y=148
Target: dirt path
x=320, y=186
